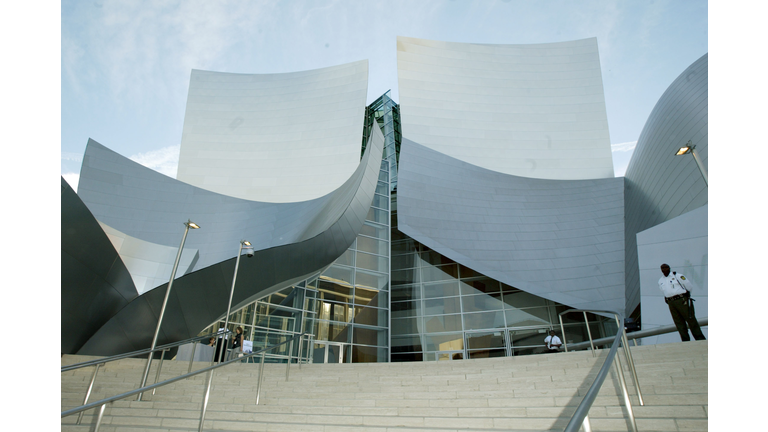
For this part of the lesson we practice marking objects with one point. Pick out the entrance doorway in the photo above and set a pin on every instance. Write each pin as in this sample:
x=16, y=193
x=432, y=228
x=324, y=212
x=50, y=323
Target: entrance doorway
x=329, y=352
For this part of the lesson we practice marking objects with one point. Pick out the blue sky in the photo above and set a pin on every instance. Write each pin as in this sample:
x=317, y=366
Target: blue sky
x=125, y=65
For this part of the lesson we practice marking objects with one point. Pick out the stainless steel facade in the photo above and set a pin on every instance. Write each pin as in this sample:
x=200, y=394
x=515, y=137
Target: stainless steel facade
x=659, y=185
x=562, y=240
x=291, y=241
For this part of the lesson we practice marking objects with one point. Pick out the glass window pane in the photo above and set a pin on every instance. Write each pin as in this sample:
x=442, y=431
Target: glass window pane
x=383, y=176
x=331, y=331
x=439, y=273
x=338, y=275
x=372, y=262
x=521, y=299
x=444, y=342
x=381, y=188
x=364, y=354
x=444, y=289
x=403, y=261
x=378, y=247
x=368, y=297
x=370, y=280
x=402, y=277
x=406, y=344
x=484, y=285
x=334, y=292
x=435, y=258
x=405, y=309
x=466, y=272
x=442, y=323
x=369, y=336
x=403, y=247
x=380, y=201
x=376, y=215
x=375, y=230
x=482, y=302
x=406, y=292
x=403, y=326
x=442, y=306
x=528, y=337
x=347, y=258
x=484, y=320
x=485, y=340
x=527, y=317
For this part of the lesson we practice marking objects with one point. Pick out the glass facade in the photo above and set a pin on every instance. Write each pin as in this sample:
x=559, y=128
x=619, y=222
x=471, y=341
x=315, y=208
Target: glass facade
x=442, y=310
x=390, y=298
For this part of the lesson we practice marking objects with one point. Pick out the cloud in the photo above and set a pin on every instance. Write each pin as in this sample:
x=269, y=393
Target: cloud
x=624, y=147
x=622, y=154
x=165, y=160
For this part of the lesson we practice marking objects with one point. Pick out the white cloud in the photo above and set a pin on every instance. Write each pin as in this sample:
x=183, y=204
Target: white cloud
x=165, y=160
x=622, y=154
x=624, y=147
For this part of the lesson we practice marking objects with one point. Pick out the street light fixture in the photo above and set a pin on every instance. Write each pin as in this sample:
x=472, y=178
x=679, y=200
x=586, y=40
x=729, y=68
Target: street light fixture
x=187, y=225
x=688, y=148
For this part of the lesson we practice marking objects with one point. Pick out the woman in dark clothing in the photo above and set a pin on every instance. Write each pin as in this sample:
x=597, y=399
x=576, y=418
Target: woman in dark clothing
x=237, y=341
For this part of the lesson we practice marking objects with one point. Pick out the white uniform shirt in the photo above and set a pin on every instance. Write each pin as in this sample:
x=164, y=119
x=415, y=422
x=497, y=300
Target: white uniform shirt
x=674, y=284
x=552, y=340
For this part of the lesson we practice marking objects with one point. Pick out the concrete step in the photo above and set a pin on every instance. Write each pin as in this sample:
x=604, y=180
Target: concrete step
x=519, y=393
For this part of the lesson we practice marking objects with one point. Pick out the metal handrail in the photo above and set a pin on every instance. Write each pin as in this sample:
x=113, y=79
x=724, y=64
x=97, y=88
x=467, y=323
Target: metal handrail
x=703, y=322
x=101, y=404
x=580, y=416
x=139, y=352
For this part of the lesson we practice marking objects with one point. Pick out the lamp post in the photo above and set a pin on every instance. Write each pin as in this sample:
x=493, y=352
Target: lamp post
x=689, y=148
x=247, y=245
x=188, y=224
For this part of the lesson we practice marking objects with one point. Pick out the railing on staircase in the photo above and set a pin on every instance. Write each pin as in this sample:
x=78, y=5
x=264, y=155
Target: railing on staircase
x=164, y=348
x=580, y=417
x=101, y=404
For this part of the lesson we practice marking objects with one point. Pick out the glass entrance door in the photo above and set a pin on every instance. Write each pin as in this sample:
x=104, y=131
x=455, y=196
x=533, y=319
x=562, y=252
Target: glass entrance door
x=328, y=352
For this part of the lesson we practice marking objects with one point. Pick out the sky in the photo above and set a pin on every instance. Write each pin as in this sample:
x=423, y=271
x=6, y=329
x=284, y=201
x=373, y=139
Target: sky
x=125, y=65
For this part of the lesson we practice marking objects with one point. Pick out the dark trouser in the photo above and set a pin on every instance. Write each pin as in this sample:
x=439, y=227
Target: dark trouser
x=679, y=310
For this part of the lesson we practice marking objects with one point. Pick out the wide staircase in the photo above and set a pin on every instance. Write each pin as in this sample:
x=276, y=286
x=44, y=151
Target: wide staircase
x=527, y=393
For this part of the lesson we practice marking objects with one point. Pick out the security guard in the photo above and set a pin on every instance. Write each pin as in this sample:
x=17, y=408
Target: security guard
x=677, y=295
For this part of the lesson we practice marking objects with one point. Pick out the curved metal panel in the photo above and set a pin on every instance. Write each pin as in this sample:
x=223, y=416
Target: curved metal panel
x=659, y=185
x=273, y=137
x=533, y=110
x=94, y=282
x=561, y=240
x=294, y=251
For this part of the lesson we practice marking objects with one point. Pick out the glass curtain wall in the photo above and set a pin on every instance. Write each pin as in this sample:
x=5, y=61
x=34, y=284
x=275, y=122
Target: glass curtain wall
x=386, y=113
x=442, y=310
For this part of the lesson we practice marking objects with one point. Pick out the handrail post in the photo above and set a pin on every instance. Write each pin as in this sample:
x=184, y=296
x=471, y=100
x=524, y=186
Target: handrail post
x=99, y=418
x=191, y=358
x=630, y=362
x=627, y=402
x=589, y=333
x=562, y=332
x=159, y=367
x=261, y=375
x=206, y=396
x=290, y=353
x=88, y=392
x=298, y=357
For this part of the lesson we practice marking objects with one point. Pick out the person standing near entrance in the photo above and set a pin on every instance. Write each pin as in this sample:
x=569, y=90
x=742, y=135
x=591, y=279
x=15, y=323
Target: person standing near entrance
x=677, y=294
x=552, y=342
